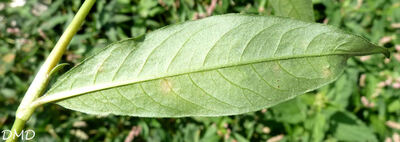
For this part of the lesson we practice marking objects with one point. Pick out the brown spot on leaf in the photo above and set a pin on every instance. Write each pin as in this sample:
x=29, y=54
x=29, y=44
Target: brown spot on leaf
x=166, y=86
x=327, y=72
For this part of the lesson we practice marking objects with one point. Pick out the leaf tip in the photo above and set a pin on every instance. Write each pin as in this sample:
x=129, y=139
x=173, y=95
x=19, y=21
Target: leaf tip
x=386, y=53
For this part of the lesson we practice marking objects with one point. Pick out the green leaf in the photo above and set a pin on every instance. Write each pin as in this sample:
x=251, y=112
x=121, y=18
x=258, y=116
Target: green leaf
x=222, y=65
x=298, y=9
x=320, y=122
x=347, y=127
x=57, y=68
x=292, y=111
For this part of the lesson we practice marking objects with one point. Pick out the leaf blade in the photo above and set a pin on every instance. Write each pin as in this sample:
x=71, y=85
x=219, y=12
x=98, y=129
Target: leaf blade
x=234, y=63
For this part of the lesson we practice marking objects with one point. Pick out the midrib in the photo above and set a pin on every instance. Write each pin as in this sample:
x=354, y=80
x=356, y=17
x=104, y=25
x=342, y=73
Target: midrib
x=98, y=87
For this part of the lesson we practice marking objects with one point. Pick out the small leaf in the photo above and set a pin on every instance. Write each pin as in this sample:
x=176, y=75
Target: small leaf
x=347, y=127
x=292, y=111
x=222, y=65
x=57, y=68
x=298, y=9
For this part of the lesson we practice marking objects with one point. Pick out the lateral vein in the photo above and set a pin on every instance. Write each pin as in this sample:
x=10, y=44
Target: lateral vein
x=88, y=89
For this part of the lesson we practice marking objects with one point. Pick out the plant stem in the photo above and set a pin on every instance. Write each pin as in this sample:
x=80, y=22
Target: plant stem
x=39, y=83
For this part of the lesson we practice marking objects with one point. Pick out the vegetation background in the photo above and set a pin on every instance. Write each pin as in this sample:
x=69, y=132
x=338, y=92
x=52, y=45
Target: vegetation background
x=363, y=105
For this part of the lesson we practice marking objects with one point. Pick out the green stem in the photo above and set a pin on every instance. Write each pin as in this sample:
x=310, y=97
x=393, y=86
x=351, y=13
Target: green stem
x=39, y=83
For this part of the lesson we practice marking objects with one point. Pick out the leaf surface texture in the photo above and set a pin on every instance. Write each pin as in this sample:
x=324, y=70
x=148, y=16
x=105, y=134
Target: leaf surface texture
x=221, y=65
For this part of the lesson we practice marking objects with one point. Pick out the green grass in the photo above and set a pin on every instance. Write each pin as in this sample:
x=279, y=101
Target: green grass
x=333, y=113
